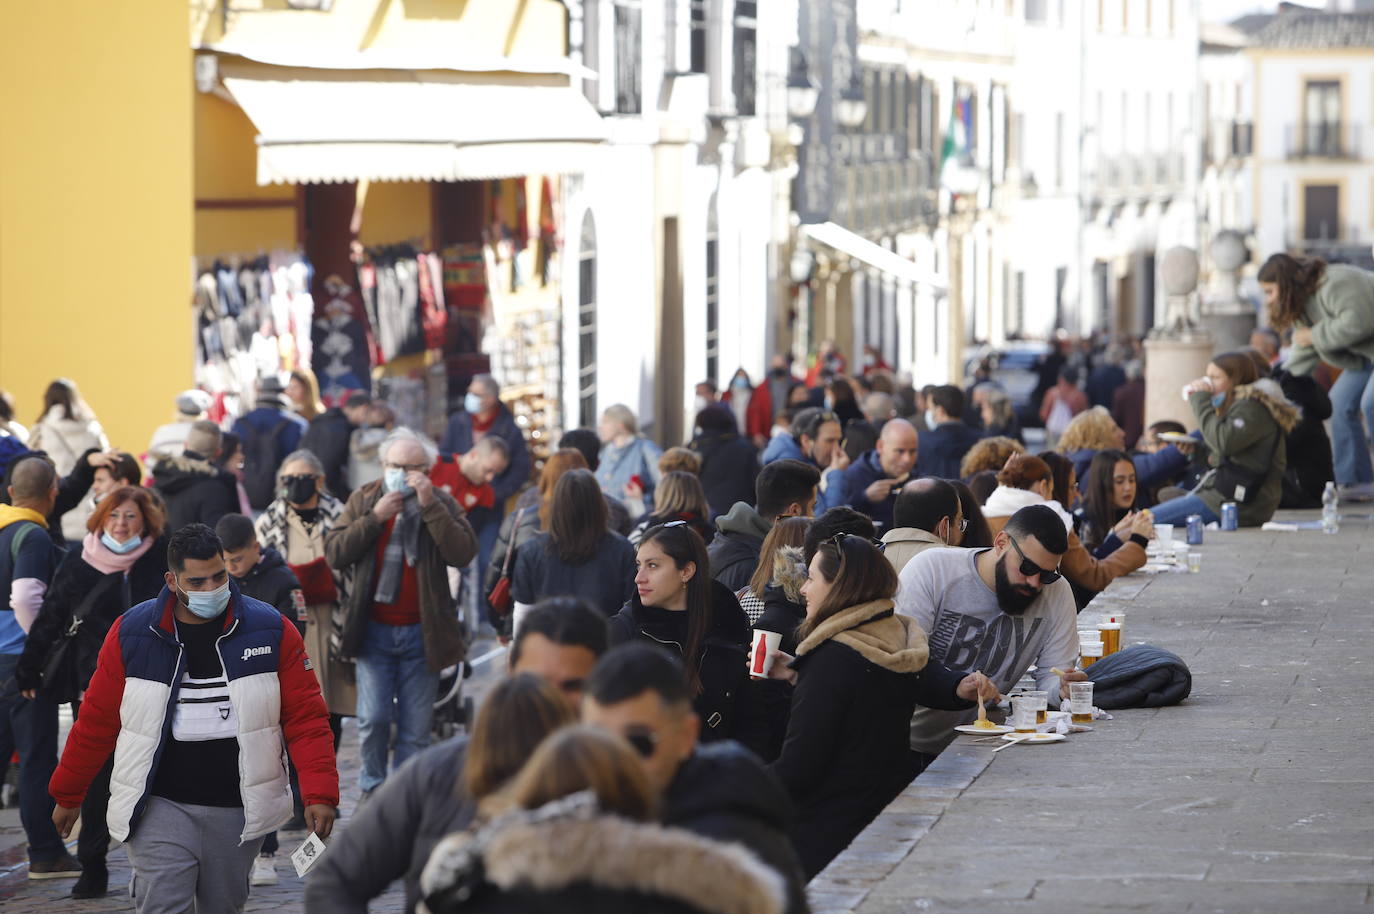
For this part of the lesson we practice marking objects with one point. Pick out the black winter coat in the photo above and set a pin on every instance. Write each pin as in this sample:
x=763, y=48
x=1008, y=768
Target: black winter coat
x=72, y=581
x=195, y=491
x=723, y=792
x=458, y=439
x=273, y=582
x=861, y=674
x=729, y=467
x=722, y=664
x=773, y=697
x=1309, y=449
x=943, y=448
x=327, y=437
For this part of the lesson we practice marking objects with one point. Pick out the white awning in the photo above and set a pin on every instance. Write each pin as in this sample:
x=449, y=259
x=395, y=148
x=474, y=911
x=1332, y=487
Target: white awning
x=876, y=256
x=319, y=126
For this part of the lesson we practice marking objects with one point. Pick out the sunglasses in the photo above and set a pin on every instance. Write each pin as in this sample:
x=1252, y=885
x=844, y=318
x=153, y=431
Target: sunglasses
x=1030, y=569
x=645, y=742
x=838, y=541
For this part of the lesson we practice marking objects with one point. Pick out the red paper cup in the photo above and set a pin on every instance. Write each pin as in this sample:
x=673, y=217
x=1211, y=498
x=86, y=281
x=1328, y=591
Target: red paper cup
x=761, y=653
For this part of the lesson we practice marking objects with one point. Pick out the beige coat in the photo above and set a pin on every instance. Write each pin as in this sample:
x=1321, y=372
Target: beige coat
x=902, y=544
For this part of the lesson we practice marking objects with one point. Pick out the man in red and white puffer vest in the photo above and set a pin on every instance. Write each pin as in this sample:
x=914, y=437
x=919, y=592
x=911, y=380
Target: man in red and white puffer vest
x=200, y=693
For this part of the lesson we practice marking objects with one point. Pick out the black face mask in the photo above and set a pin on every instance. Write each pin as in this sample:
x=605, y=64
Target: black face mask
x=299, y=489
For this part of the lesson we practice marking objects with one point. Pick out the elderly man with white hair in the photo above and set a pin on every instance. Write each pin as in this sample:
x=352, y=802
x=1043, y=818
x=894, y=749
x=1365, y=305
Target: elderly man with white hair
x=398, y=536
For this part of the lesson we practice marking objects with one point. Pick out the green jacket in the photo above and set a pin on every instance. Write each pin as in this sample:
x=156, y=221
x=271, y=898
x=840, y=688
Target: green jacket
x=1245, y=434
x=1341, y=315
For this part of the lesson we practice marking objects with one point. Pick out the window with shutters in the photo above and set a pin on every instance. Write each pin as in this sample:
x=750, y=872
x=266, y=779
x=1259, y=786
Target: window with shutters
x=629, y=42
x=586, y=324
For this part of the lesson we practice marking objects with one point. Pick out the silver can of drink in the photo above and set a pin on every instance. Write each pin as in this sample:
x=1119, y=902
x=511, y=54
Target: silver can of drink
x=1194, y=529
x=1230, y=516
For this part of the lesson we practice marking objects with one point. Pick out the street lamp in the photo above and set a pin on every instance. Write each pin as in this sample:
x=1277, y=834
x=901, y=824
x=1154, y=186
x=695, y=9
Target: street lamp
x=802, y=93
x=852, y=108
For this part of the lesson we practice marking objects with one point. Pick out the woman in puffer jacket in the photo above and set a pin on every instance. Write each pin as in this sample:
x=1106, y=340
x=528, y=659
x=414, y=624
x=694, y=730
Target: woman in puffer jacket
x=1244, y=420
x=579, y=836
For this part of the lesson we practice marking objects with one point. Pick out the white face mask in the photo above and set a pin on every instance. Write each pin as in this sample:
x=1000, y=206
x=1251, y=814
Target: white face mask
x=701, y=403
x=930, y=418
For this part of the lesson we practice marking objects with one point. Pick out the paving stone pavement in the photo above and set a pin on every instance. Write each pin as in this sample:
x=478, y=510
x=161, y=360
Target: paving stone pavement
x=19, y=895
x=1253, y=795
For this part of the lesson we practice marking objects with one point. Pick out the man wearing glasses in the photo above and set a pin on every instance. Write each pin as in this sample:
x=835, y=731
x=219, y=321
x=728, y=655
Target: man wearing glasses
x=995, y=610
x=927, y=514
x=720, y=791
x=398, y=536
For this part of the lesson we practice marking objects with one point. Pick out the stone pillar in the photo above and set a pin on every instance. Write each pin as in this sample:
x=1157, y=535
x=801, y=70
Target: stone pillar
x=1169, y=364
x=1179, y=350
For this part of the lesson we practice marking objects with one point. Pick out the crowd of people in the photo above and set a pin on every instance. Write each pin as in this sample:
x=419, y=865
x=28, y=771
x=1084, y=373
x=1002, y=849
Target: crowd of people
x=214, y=608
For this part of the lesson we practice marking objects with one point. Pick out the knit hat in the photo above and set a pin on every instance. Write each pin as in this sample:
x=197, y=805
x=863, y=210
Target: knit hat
x=193, y=402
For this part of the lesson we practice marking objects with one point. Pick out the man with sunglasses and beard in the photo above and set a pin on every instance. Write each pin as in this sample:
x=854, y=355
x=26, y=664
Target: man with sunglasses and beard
x=996, y=611
x=719, y=791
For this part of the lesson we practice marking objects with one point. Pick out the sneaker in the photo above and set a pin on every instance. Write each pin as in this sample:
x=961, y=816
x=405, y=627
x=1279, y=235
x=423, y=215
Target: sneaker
x=264, y=871
x=1361, y=491
x=94, y=882
x=64, y=867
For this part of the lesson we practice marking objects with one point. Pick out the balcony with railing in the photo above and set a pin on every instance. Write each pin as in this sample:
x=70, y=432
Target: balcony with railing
x=1324, y=140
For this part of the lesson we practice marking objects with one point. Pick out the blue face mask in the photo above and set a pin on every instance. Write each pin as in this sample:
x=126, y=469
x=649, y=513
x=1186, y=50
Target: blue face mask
x=472, y=403
x=394, y=479
x=119, y=548
x=208, y=604
x=1218, y=400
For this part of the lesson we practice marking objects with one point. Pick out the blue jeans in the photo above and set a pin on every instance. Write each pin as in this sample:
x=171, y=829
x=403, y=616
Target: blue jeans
x=394, y=683
x=32, y=726
x=1352, y=398
x=1176, y=510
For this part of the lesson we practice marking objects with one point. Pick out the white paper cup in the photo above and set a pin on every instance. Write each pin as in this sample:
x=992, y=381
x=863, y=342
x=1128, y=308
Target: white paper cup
x=761, y=653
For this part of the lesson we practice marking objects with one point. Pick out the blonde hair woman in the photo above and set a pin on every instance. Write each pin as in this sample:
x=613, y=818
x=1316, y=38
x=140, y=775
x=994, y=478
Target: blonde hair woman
x=989, y=454
x=1094, y=430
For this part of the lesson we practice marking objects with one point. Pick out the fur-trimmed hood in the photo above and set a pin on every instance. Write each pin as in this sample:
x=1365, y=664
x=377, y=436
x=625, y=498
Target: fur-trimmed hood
x=877, y=634
x=1268, y=393
x=608, y=853
x=789, y=571
x=175, y=472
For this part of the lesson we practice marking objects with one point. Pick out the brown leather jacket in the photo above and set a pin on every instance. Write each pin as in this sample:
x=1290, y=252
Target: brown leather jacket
x=446, y=538
x=1079, y=566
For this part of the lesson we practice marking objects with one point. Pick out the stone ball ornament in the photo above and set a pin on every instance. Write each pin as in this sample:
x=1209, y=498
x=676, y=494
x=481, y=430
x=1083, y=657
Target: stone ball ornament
x=1179, y=270
x=1229, y=251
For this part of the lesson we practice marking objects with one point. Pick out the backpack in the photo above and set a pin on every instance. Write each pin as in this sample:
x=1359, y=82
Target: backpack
x=260, y=459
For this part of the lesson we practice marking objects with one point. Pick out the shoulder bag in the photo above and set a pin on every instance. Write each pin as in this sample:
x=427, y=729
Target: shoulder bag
x=500, y=598
x=1236, y=483
x=71, y=659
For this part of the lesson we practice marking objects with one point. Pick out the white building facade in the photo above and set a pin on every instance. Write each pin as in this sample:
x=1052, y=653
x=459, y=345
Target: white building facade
x=673, y=233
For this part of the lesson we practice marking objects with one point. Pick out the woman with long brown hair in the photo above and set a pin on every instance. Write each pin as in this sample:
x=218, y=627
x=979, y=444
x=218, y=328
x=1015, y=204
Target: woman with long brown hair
x=303, y=390
x=575, y=555
x=675, y=603
x=518, y=715
x=860, y=671
x=1244, y=420
x=579, y=835
x=1331, y=310
x=531, y=511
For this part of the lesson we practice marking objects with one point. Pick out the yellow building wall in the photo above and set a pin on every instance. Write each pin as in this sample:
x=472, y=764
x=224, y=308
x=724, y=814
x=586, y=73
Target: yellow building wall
x=395, y=212
x=95, y=208
x=226, y=170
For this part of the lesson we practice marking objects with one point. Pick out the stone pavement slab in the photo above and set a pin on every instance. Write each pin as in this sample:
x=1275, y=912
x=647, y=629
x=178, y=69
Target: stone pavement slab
x=1253, y=795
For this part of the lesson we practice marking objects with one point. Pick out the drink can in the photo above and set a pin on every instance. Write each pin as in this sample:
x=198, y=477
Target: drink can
x=1230, y=516
x=1194, y=529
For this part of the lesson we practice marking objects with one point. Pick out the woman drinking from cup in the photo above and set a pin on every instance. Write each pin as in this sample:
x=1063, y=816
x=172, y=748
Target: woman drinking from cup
x=676, y=604
x=1244, y=420
x=860, y=671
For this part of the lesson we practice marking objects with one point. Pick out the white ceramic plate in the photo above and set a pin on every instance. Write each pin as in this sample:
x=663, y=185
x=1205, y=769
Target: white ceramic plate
x=996, y=728
x=1175, y=437
x=1036, y=738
